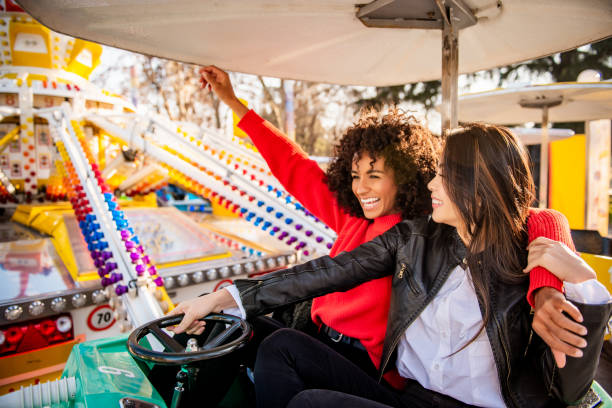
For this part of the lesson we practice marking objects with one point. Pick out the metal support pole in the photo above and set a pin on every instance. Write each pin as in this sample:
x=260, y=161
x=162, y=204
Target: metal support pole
x=450, y=72
x=543, y=199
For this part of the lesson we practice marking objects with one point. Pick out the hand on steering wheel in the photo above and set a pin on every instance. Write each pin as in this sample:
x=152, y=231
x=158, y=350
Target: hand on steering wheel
x=217, y=346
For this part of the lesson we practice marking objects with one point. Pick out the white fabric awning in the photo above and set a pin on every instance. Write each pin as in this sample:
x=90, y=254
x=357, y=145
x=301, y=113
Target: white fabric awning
x=577, y=102
x=323, y=40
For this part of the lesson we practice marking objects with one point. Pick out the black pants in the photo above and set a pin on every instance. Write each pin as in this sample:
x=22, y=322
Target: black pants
x=293, y=369
x=264, y=326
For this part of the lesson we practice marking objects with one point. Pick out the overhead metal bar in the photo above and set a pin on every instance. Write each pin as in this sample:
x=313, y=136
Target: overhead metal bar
x=450, y=16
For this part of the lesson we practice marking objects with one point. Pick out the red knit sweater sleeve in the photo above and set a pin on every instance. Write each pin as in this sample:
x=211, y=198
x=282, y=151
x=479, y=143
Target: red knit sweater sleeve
x=302, y=177
x=550, y=224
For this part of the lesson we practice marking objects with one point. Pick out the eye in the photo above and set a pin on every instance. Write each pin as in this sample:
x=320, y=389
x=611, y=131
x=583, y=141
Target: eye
x=354, y=177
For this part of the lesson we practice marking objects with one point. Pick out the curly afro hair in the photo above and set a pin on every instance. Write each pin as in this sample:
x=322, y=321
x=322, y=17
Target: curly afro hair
x=407, y=147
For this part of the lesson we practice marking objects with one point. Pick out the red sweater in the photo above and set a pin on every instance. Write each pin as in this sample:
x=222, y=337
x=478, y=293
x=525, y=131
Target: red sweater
x=361, y=312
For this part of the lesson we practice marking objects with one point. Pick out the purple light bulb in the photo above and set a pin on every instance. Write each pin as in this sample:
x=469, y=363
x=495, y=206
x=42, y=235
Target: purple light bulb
x=116, y=277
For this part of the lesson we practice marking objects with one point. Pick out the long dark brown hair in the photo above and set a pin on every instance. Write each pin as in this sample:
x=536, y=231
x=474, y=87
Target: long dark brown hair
x=487, y=176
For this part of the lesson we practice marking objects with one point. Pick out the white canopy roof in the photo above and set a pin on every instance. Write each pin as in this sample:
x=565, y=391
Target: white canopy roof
x=324, y=40
x=533, y=136
x=577, y=102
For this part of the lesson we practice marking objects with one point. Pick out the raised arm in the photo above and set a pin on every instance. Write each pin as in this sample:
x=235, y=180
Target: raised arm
x=555, y=319
x=301, y=177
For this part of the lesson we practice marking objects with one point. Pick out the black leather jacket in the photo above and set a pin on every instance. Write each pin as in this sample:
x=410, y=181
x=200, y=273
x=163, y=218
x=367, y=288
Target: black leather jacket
x=421, y=254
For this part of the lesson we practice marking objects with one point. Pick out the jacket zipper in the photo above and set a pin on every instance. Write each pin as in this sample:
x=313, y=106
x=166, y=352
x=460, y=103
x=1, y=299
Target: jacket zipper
x=431, y=295
x=267, y=280
x=400, y=275
x=411, y=283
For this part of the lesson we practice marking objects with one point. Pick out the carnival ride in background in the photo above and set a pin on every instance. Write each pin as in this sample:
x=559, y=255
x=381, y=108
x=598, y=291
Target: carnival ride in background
x=87, y=253
x=101, y=146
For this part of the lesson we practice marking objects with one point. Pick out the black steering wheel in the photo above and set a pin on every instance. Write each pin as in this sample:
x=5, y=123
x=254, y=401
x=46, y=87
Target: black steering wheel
x=215, y=346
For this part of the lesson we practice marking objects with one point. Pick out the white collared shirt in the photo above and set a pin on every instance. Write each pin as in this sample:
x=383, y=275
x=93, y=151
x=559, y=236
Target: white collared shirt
x=447, y=323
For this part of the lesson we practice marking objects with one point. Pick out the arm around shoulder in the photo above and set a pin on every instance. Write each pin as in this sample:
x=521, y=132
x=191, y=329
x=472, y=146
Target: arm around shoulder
x=553, y=225
x=572, y=382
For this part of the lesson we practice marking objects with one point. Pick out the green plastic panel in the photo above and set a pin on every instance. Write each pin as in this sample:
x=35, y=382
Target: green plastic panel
x=105, y=373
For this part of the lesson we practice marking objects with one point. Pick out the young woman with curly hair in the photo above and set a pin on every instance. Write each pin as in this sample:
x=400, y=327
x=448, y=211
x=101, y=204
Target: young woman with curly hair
x=378, y=177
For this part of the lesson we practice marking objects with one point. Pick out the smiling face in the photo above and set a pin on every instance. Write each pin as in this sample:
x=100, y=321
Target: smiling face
x=444, y=210
x=374, y=186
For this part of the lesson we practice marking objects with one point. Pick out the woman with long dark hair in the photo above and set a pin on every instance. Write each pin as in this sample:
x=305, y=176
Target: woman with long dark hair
x=459, y=327
x=378, y=176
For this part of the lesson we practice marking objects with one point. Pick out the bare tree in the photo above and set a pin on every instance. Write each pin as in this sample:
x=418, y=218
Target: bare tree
x=172, y=89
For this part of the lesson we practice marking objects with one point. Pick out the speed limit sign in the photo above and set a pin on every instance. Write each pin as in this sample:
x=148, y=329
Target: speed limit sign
x=101, y=318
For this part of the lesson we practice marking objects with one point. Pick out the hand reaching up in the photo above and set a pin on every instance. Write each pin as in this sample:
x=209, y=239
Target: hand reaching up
x=218, y=81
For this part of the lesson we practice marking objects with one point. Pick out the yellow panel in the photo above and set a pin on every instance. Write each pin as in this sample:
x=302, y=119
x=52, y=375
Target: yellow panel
x=603, y=268
x=61, y=242
x=46, y=222
x=45, y=364
x=35, y=379
x=49, y=220
x=165, y=298
x=9, y=137
x=568, y=178
x=221, y=210
x=84, y=58
x=30, y=44
x=146, y=201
